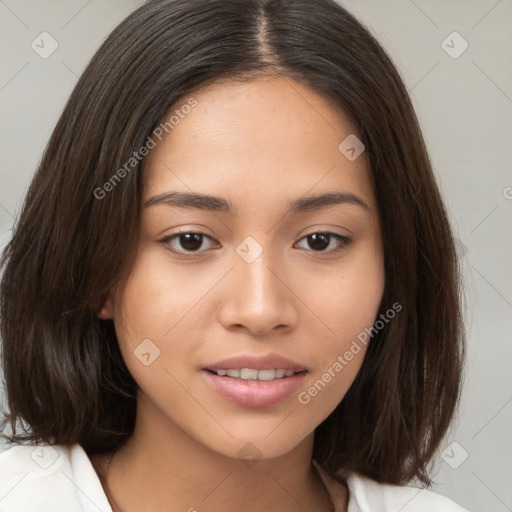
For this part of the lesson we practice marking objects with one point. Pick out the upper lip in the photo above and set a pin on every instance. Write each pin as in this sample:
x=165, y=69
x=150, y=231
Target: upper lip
x=268, y=362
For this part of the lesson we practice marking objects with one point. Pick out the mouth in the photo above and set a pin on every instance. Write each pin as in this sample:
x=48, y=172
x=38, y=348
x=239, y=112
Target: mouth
x=255, y=382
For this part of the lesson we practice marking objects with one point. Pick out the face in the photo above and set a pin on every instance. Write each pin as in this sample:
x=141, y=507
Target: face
x=276, y=272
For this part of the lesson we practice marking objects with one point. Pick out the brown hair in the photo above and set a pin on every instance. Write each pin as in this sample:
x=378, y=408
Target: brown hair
x=64, y=373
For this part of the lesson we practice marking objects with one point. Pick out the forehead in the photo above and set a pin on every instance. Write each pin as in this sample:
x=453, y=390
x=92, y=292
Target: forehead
x=265, y=138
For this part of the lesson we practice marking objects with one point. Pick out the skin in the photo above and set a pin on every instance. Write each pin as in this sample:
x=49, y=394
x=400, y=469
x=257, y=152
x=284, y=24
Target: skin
x=259, y=145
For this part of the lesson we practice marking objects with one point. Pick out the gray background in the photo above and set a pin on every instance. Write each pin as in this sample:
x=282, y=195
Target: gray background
x=465, y=109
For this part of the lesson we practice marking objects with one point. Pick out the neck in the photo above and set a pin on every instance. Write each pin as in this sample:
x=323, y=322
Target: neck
x=162, y=468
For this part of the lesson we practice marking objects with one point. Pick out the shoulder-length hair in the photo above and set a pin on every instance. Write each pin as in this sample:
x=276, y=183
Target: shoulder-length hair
x=64, y=373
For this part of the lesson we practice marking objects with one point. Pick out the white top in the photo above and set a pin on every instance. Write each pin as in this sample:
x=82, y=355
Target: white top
x=61, y=478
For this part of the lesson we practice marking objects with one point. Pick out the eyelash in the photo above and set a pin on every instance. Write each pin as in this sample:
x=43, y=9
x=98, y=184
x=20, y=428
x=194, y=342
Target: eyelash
x=342, y=240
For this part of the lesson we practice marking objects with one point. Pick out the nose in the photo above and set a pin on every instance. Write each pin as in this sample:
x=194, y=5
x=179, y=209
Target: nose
x=259, y=297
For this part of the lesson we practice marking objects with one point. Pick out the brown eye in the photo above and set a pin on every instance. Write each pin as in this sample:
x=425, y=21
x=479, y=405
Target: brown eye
x=190, y=241
x=320, y=242
x=186, y=242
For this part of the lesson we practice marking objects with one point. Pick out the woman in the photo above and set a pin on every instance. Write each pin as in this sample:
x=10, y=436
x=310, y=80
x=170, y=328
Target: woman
x=233, y=284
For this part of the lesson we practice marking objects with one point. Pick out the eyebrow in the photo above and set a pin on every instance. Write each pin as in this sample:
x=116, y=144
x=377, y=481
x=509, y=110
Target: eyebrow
x=218, y=204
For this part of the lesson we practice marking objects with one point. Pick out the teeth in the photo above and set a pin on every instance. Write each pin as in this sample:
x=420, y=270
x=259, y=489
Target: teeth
x=247, y=374
x=266, y=374
x=252, y=374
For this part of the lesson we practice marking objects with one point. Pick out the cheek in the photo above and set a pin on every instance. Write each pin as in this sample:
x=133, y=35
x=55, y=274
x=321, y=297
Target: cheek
x=158, y=295
x=347, y=299
x=161, y=303
x=348, y=307
x=360, y=294
x=149, y=321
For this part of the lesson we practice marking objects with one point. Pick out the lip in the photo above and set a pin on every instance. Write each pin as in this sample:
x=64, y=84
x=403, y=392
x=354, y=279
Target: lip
x=267, y=362
x=254, y=393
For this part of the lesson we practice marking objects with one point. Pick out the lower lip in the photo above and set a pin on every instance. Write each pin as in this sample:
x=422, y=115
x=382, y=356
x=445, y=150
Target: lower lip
x=254, y=393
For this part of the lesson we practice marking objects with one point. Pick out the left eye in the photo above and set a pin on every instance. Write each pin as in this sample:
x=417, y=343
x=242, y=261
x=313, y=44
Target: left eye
x=192, y=242
x=320, y=242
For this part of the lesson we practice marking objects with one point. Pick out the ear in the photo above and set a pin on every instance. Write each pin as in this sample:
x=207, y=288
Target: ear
x=107, y=311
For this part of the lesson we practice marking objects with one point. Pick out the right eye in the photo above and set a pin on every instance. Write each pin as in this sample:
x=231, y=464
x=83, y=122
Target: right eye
x=190, y=242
